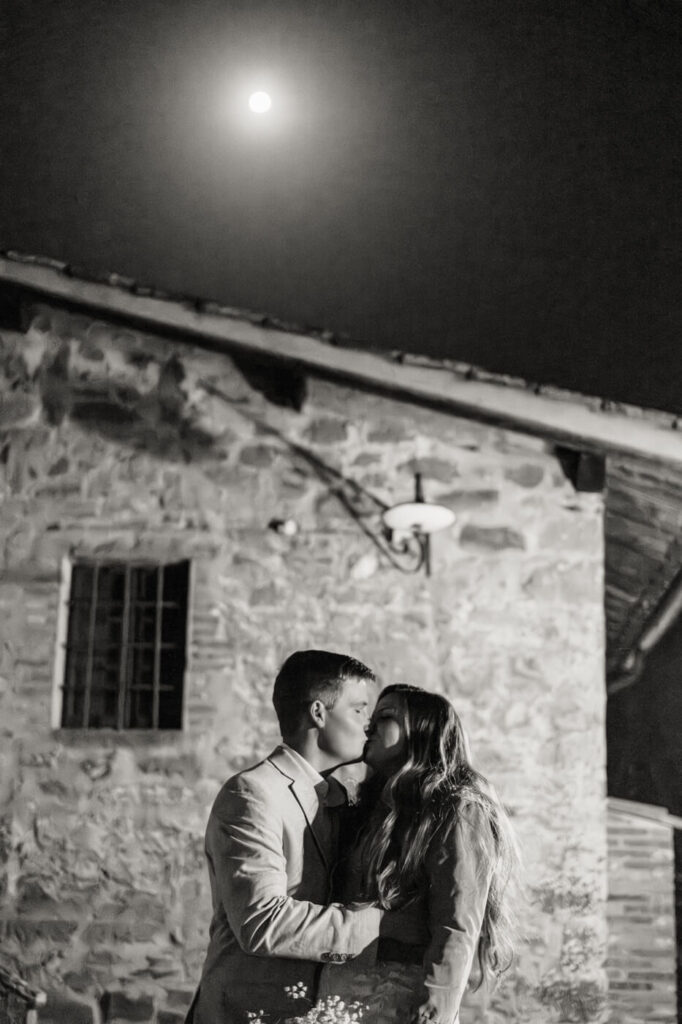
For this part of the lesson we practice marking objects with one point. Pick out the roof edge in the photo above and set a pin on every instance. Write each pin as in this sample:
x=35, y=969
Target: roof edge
x=651, y=812
x=561, y=416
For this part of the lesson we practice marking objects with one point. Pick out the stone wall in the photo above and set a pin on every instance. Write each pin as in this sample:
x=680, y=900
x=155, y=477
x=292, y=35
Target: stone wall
x=119, y=444
x=642, y=956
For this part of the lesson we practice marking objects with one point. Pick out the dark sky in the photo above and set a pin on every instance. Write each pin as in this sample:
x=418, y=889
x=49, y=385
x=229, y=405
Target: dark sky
x=497, y=181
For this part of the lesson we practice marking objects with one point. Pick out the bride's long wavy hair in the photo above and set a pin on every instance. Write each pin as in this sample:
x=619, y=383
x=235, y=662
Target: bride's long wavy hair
x=405, y=814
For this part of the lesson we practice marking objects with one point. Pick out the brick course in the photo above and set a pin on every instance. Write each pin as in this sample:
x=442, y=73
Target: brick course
x=641, y=961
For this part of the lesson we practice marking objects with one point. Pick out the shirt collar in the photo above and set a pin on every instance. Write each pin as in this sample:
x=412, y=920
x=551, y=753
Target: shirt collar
x=305, y=767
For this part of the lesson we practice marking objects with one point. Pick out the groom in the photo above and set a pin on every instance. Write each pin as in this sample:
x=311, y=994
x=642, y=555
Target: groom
x=270, y=847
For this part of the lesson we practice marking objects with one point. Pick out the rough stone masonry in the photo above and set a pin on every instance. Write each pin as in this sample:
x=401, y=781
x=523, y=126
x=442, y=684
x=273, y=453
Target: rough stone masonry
x=118, y=444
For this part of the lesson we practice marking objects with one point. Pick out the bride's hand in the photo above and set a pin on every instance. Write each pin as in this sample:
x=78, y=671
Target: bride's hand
x=425, y=1015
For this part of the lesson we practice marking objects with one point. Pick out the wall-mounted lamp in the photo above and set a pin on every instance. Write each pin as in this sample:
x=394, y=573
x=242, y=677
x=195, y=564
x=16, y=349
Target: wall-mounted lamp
x=413, y=522
x=401, y=533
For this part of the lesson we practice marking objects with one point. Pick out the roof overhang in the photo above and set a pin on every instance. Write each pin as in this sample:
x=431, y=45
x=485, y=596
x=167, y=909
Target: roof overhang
x=559, y=416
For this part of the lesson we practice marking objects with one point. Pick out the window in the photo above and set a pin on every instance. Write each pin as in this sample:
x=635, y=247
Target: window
x=125, y=647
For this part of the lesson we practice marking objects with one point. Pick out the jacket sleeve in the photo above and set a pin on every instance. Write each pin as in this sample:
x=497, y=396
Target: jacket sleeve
x=244, y=847
x=459, y=875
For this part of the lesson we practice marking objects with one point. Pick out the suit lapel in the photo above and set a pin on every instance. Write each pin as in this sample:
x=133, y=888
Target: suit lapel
x=303, y=791
x=308, y=813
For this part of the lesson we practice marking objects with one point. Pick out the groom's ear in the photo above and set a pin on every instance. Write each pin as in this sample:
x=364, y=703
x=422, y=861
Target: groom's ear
x=318, y=713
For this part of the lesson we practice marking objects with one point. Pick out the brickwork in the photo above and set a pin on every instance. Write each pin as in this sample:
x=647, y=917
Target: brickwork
x=119, y=444
x=641, y=963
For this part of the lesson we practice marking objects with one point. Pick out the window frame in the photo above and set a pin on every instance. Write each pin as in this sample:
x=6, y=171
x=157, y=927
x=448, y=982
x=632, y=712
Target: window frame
x=60, y=689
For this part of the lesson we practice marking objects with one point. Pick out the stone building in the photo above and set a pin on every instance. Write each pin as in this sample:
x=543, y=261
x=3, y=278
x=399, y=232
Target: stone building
x=189, y=494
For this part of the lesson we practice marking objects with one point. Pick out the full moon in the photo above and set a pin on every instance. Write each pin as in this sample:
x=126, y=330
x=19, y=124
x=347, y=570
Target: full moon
x=259, y=102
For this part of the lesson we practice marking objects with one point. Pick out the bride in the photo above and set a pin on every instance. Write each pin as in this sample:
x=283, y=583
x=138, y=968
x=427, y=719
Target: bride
x=429, y=837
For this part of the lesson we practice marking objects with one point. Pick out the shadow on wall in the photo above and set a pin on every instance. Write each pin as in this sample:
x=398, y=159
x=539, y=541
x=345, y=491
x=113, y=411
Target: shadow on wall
x=644, y=722
x=124, y=392
x=155, y=421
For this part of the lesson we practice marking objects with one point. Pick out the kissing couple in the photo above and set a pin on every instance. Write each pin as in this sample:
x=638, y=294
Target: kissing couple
x=386, y=902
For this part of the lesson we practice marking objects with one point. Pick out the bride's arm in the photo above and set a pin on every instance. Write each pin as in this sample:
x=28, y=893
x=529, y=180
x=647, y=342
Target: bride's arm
x=459, y=874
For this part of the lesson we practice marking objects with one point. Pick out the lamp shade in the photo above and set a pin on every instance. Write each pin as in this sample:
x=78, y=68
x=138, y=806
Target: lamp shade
x=418, y=517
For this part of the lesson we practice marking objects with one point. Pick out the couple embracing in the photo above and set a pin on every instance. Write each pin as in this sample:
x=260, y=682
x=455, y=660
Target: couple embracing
x=388, y=901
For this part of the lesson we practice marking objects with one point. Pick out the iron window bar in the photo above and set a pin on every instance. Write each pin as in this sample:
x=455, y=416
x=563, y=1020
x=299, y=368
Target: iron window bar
x=133, y=640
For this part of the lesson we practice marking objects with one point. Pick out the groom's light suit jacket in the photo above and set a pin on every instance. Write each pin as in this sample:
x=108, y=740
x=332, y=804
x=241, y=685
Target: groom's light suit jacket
x=270, y=855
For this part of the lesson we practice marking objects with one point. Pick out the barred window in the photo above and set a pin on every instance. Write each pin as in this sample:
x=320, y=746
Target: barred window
x=125, y=646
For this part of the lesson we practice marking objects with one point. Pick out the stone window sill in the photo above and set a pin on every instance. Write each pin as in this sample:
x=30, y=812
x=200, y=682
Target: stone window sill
x=114, y=738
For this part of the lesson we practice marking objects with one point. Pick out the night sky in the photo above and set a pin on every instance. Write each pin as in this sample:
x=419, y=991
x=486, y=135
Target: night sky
x=496, y=181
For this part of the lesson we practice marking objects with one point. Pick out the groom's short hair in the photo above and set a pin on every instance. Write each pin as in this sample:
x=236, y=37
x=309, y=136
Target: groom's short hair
x=312, y=675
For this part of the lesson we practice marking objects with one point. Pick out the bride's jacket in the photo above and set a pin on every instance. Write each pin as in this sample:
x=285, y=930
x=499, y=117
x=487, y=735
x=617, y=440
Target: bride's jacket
x=448, y=906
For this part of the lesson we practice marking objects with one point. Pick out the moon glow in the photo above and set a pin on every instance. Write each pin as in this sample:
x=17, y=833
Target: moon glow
x=259, y=102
